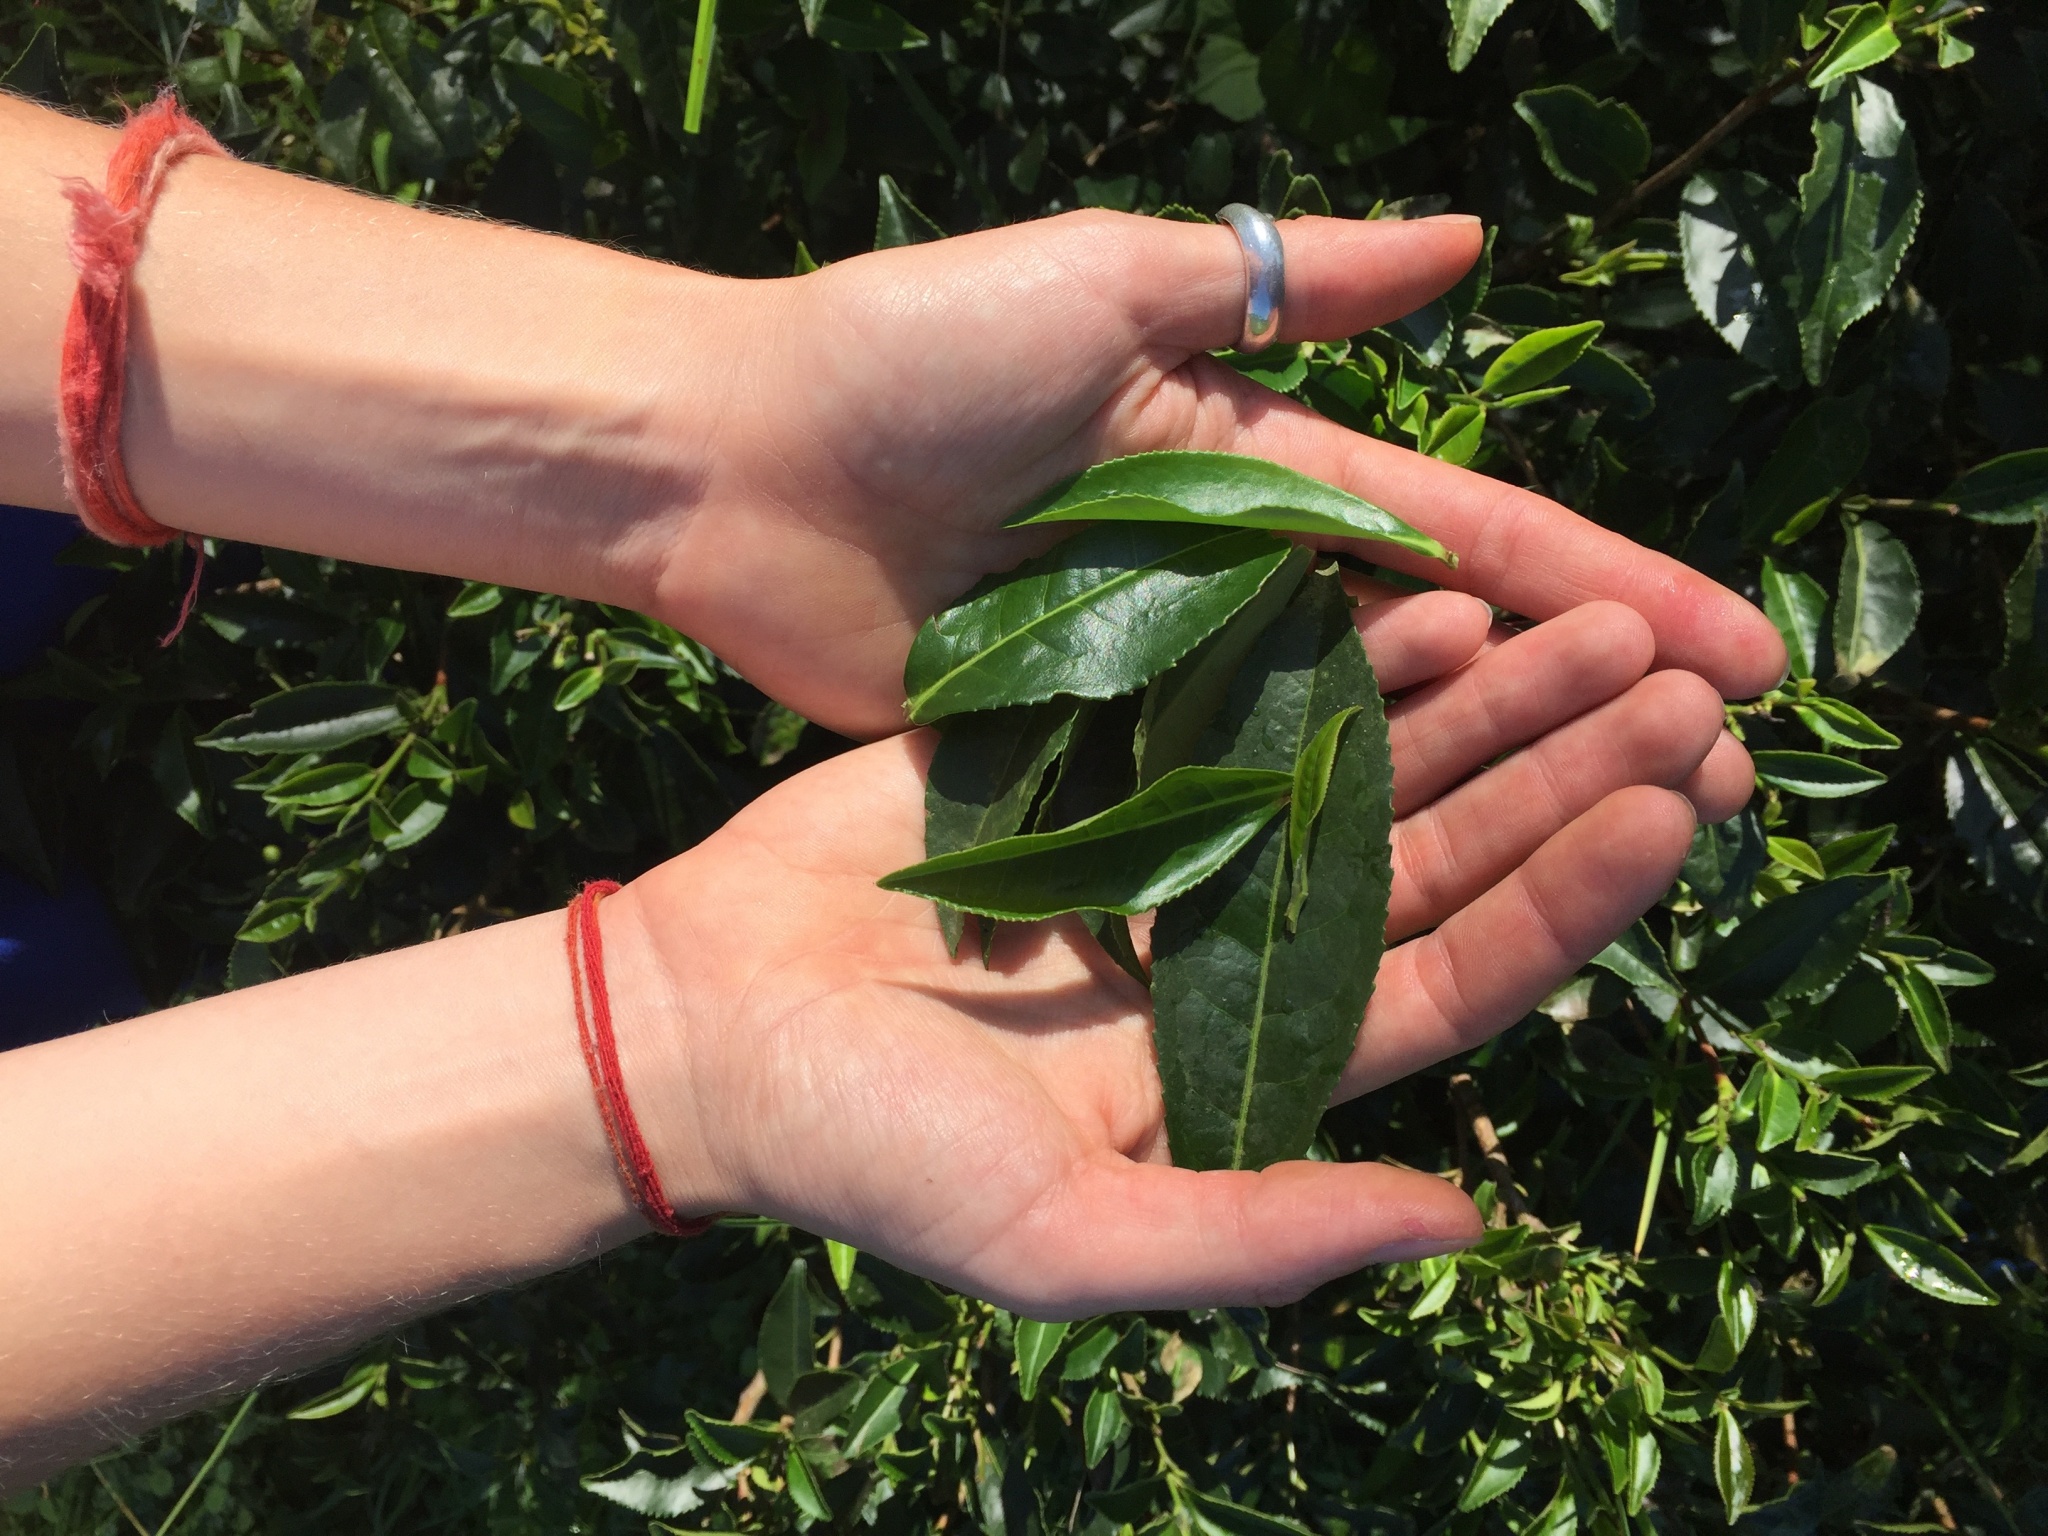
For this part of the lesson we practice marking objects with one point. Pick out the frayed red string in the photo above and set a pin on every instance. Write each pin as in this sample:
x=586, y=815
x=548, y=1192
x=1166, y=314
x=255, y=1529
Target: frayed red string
x=105, y=241
x=601, y=1055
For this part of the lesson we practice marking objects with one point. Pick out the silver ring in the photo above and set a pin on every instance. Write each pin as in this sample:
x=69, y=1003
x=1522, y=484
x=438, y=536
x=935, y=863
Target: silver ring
x=1265, y=274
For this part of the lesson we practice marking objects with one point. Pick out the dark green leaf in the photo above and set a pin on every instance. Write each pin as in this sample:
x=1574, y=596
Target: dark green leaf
x=1843, y=725
x=1598, y=146
x=1500, y=1466
x=1859, y=207
x=785, y=1349
x=985, y=776
x=1222, y=488
x=1879, y=1083
x=1735, y=235
x=1254, y=1024
x=1820, y=454
x=899, y=221
x=1164, y=840
x=1214, y=1516
x=1182, y=700
x=316, y=717
x=1797, y=946
x=863, y=26
x=2012, y=488
x=1929, y=1012
x=1100, y=615
x=1929, y=1267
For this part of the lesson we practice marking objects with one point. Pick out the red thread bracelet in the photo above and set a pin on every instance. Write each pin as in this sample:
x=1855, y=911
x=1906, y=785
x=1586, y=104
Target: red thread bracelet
x=601, y=1055
x=106, y=239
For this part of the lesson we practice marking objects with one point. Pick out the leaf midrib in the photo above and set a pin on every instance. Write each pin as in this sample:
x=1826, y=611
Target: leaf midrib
x=1080, y=599
x=1251, y=1059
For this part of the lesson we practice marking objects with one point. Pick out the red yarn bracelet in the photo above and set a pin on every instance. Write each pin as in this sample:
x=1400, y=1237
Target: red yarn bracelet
x=106, y=239
x=601, y=1056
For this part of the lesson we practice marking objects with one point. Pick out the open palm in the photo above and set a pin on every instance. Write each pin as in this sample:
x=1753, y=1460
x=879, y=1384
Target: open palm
x=898, y=406
x=1001, y=1129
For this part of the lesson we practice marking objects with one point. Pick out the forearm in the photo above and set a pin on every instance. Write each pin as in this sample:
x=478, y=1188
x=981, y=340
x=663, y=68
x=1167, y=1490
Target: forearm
x=327, y=372
x=223, y=1192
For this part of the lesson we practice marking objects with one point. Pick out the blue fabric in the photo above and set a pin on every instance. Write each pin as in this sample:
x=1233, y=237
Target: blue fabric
x=62, y=965
x=36, y=594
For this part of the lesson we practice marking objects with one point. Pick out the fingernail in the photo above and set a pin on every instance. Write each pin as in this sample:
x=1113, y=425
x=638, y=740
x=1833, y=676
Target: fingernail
x=1784, y=677
x=1410, y=1248
x=1449, y=218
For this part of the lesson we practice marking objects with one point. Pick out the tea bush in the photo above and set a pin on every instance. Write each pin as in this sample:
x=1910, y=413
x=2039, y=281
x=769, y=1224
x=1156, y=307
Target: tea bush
x=1764, y=1185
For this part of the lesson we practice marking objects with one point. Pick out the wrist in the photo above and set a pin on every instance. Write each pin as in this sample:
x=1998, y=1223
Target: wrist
x=665, y=1023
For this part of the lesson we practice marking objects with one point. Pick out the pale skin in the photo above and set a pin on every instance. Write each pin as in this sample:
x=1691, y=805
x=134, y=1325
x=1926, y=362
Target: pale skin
x=229, y=1190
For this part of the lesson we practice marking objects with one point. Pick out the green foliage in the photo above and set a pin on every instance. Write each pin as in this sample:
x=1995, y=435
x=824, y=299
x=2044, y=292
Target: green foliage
x=1757, y=1169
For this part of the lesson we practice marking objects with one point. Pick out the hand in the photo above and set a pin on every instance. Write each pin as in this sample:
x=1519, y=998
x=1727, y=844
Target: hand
x=900, y=405
x=1001, y=1130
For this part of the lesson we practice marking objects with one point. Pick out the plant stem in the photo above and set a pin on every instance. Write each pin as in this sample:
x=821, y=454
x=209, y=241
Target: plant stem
x=701, y=47
x=1733, y=119
x=219, y=1446
x=1658, y=1149
x=119, y=1503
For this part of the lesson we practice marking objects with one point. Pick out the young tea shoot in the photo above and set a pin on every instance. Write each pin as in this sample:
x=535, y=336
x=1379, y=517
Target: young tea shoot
x=1172, y=712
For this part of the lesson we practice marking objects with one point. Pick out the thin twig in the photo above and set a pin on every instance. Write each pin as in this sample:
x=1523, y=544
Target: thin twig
x=1474, y=1122
x=206, y=1468
x=119, y=1503
x=1733, y=119
x=750, y=1398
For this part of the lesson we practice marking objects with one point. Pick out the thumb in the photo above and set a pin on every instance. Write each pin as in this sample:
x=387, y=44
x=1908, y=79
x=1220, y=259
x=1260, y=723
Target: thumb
x=1120, y=1235
x=1184, y=284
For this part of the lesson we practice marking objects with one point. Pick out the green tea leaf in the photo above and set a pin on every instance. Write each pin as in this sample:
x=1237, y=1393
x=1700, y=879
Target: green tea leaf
x=1815, y=775
x=1859, y=206
x=1929, y=1267
x=861, y=26
x=1103, y=1424
x=1539, y=357
x=1734, y=235
x=1253, y=1024
x=1877, y=601
x=1312, y=772
x=1471, y=20
x=1928, y=1010
x=1598, y=146
x=985, y=775
x=1229, y=489
x=315, y=717
x=1037, y=1343
x=1863, y=37
x=1879, y=1083
x=1777, y=1111
x=785, y=1349
x=1797, y=946
x=1164, y=840
x=1818, y=456
x=1183, y=699
x=1100, y=615
x=1798, y=605
x=1734, y=1462
x=1500, y=1466
x=2012, y=488
x=1843, y=725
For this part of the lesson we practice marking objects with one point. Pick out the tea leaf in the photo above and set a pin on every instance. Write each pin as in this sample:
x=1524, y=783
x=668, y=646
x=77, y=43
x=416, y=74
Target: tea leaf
x=1164, y=840
x=315, y=717
x=1253, y=1024
x=1227, y=488
x=1100, y=615
x=1929, y=1267
x=985, y=775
